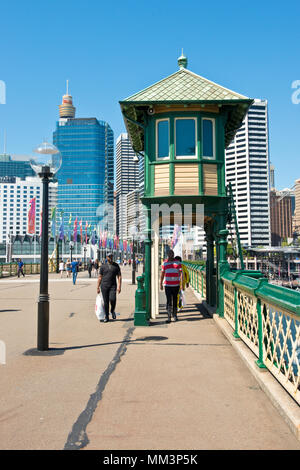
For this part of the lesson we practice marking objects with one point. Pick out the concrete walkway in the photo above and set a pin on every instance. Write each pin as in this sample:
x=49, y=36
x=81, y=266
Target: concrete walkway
x=113, y=386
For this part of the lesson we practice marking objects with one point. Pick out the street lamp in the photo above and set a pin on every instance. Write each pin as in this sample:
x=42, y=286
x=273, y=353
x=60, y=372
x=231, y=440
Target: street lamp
x=133, y=231
x=84, y=257
x=45, y=164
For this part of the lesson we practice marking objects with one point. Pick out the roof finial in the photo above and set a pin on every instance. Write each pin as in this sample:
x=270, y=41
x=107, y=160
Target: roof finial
x=182, y=61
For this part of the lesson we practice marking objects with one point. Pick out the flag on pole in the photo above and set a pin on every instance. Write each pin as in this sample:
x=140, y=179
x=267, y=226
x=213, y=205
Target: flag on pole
x=31, y=217
x=61, y=228
x=80, y=225
x=75, y=231
x=93, y=236
x=53, y=222
x=86, y=232
x=175, y=236
x=69, y=228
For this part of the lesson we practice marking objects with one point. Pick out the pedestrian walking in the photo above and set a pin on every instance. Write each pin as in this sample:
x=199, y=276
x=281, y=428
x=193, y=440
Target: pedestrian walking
x=90, y=267
x=61, y=268
x=74, y=267
x=96, y=267
x=68, y=268
x=20, y=268
x=107, y=282
x=185, y=279
x=171, y=273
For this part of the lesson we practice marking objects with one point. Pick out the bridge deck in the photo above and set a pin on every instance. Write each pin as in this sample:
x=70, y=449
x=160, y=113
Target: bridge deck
x=113, y=386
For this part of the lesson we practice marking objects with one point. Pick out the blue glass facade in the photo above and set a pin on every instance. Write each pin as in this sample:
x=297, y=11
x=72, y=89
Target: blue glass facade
x=86, y=177
x=17, y=168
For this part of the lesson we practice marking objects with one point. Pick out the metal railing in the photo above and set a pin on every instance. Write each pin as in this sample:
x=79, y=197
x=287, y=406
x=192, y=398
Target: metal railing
x=11, y=269
x=197, y=274
x=265, y=317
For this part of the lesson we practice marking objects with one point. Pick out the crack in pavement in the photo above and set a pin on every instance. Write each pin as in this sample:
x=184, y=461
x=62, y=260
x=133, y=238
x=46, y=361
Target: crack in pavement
x=77, y=438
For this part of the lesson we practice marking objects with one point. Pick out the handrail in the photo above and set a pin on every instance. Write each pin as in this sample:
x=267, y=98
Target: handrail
x=264, y=316
x=267, y=318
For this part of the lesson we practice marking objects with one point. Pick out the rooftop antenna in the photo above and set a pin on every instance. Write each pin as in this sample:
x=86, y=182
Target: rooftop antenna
x=67, y=87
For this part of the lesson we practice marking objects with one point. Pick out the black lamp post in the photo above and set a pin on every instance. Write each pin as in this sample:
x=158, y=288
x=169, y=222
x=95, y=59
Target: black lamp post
x=84, y=257
x=57, y=254
x=46, y=164
x=71, y=245
x=133, y=230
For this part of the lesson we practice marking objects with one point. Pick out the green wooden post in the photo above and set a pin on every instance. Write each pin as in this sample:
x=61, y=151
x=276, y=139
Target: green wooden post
x=223, y=266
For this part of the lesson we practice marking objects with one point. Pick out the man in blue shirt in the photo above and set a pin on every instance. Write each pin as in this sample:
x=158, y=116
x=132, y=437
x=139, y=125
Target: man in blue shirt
x=74, y=266
x=20, y=268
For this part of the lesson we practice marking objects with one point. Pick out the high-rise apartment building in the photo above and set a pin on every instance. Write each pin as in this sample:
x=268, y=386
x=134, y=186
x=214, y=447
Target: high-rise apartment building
x=86, y=177
x=247, y=169
x=127, y=180
x=280, y=216
x=15, y=197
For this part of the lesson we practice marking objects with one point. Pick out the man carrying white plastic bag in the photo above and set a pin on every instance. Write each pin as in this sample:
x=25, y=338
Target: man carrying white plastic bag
x=99, y=308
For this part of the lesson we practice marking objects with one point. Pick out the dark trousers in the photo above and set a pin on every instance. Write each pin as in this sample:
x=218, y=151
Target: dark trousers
x=20, y=271
x=109, y=297
x=172, y=294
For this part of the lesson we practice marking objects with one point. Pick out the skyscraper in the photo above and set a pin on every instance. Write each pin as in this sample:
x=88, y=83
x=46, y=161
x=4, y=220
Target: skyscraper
x=12, y=167
x=86, y=177
x=127, y=180
x=247, y=169
x=280, y=215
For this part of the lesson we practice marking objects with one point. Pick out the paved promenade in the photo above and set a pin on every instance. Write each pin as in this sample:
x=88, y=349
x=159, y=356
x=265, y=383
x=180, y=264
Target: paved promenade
x=114, y=386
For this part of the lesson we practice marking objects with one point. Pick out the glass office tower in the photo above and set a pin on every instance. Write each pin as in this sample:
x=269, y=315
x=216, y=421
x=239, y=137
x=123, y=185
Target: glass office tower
x=86, y=177
x=17, y=168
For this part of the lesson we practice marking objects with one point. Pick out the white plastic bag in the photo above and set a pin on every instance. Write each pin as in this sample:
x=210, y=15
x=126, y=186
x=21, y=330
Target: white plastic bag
x=183, y=301
x=99, y=307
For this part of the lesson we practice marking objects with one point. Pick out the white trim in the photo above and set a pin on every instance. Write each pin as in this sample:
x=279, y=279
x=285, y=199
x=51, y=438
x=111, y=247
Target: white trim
x=214, y=137
x=192, y=157
x=156, y=139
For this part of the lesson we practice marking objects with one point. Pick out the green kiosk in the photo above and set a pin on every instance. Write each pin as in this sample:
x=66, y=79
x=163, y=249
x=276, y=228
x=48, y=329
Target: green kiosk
x=181, y=126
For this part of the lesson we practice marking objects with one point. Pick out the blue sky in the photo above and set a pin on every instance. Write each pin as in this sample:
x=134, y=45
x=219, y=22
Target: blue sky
x=109, y=51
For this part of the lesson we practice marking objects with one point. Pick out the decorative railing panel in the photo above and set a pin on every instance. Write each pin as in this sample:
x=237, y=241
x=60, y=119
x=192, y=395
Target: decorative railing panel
x=267, y=318
x=281, y=346
x=229, y=301
x=247, y=319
